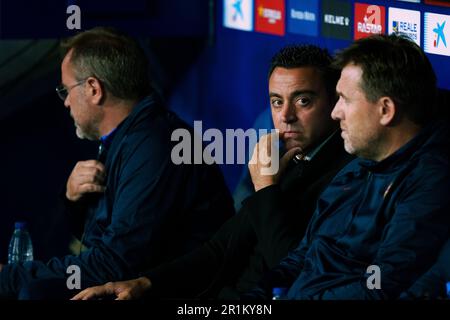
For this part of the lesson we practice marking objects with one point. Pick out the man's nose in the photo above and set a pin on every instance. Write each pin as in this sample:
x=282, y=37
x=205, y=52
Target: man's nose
x=336, y=113
x=288, y=114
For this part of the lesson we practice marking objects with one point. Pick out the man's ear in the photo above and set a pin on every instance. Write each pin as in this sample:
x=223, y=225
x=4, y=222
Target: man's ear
x=95, y=90
x=387, y=110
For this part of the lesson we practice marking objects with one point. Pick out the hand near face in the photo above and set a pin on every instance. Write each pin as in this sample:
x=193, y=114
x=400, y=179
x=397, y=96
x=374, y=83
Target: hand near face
x=122, y=290
x=86, y=177
x=262, y=160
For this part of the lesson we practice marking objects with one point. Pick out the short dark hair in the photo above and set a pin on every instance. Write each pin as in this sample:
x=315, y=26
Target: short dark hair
x=114, y=58
x=298, y=56
x=396, y=67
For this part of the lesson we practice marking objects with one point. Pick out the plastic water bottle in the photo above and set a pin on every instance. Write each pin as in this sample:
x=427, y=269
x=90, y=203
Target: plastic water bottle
x=279, y=293
x=448, y=290
x=20, y=246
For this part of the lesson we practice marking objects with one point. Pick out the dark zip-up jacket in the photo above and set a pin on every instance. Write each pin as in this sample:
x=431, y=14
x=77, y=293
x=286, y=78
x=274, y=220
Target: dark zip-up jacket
x=152, y=210
x=394, y=214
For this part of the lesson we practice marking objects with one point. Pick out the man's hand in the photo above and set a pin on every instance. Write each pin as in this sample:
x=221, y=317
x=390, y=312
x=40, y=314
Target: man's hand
x=1, y=267
x=263, y=150
x=123, y=290
x=86, y=177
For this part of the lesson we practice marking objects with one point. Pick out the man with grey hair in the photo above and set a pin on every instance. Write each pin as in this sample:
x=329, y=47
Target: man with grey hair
x=135, y=208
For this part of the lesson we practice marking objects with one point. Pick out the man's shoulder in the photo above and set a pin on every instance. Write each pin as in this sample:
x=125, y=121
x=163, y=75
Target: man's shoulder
x=434, y=143
x=428, y=171
x=431, y=159
x=153, y=130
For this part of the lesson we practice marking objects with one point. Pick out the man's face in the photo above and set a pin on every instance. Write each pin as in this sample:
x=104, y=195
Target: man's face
x=300, y=106
x=358, y=117
x=86, y=117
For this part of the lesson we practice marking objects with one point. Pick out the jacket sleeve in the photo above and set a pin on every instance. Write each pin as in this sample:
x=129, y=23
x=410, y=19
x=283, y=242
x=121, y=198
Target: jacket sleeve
x=268, y=215
x=202, y=269
x=140, y=206
x=76, y=211
x=431, y=285
x=281, y=276
x=411, y=239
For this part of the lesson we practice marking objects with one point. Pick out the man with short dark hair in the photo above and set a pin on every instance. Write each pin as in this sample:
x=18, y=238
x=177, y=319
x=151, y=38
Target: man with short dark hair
x=136, y=208
x=272, y=221
x=383, y=219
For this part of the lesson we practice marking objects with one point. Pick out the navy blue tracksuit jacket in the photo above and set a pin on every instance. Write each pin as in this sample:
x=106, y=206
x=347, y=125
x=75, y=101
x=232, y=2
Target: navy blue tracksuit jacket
x=394, y=214
x=151, y=212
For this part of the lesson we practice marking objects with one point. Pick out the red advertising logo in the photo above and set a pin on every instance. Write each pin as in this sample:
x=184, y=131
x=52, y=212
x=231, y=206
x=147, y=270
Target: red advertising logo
x=270, y=16
x=369, y=19
x=445, y=3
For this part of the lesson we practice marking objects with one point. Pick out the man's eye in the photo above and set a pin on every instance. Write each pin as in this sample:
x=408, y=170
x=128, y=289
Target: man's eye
x=303, y=101
x=277, y=103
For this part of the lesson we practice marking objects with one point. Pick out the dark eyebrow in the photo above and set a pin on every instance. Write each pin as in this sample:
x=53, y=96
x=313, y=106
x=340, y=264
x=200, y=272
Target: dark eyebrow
x=294, y=94
x=273, y=94
x=300, y=92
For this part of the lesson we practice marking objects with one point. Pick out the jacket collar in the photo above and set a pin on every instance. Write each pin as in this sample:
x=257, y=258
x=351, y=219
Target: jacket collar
x=148, y=105
x=406, y=152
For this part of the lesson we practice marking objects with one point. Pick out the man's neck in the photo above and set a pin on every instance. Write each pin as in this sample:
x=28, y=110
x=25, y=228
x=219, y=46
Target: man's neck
x=115, y=113
x=397, y=137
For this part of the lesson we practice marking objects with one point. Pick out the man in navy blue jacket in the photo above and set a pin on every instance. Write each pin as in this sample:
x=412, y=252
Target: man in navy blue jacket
x=136, y=208
x=381, y=222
